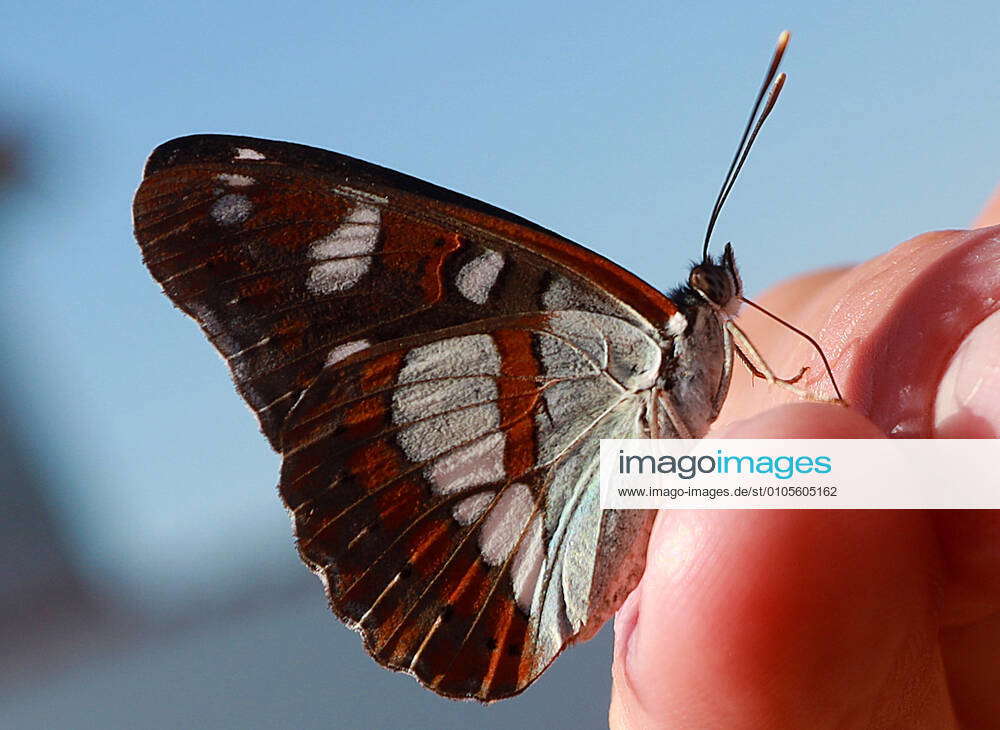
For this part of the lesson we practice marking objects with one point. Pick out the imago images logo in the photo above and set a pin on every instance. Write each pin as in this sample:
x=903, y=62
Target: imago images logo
x=689, y=466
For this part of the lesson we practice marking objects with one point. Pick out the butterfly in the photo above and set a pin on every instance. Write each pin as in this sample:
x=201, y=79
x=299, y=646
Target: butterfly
x=436, y=374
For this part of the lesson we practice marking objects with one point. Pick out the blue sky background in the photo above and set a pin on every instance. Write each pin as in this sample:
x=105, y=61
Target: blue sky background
x=612, y=125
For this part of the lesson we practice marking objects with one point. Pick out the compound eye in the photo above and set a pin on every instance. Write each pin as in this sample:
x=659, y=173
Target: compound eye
x=713, y=282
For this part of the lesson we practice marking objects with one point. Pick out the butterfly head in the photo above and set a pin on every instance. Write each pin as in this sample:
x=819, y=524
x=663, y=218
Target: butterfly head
x=718, y=282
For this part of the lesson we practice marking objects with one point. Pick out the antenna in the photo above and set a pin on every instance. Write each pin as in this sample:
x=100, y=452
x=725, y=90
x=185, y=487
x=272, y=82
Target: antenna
x=750, y=132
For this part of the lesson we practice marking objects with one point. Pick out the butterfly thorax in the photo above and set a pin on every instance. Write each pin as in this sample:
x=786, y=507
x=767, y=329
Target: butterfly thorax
x=695, y=381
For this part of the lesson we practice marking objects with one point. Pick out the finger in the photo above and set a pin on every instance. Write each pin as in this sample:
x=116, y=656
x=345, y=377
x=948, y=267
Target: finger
x=948, y=282
x=889, y=326
x=736, y=624
x=767, y=618
x=802, y=420
x=913, y=338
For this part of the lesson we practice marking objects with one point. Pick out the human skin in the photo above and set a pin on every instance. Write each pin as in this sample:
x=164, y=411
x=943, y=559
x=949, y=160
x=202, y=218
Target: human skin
x=838, y=618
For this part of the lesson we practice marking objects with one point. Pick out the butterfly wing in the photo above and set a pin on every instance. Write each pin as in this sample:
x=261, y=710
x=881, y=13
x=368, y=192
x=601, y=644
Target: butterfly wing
x=284, y=253
x=437, y=374
x=445, y=489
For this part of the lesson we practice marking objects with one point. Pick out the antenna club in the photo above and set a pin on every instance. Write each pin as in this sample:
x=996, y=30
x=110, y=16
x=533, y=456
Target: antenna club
x=770, y=89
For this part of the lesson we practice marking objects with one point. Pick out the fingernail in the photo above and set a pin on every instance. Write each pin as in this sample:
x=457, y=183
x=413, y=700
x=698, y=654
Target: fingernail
x=968, y=398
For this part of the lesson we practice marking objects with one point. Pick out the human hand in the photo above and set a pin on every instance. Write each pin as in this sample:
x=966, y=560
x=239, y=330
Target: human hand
x=836, y=618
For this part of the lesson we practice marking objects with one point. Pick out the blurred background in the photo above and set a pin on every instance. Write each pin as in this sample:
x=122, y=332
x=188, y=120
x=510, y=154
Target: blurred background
x=148, y=575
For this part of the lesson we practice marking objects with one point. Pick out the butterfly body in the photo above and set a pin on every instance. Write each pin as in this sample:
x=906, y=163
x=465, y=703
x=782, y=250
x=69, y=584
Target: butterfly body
x=436, y=374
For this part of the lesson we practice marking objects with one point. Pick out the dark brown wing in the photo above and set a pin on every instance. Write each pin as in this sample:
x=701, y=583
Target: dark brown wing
x=285, y=253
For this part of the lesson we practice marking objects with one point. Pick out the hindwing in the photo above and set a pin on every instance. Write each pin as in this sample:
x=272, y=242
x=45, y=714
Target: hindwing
x=445, y=489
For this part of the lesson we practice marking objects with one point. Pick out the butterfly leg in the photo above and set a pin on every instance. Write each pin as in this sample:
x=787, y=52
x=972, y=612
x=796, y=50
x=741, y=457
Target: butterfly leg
x=760, y=369
x=652, y=418
x=758, y=374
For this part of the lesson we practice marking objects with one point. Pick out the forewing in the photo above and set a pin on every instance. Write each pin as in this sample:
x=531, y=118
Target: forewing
x=288, y=256
x=445, y=490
